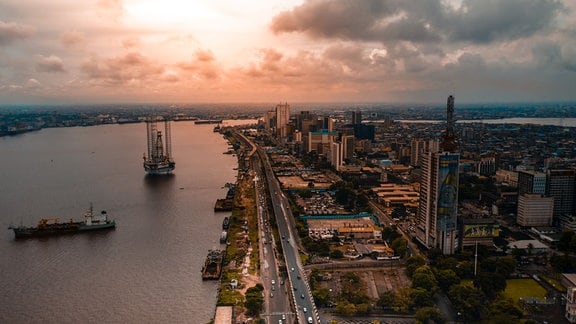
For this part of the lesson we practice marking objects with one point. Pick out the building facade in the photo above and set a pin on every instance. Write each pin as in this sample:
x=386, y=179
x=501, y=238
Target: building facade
x=531, y=182
x=438, y=207
x=560, y=185
x=535, y=210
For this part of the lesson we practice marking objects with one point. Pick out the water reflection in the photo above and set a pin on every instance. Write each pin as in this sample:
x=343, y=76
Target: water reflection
x=159, y=182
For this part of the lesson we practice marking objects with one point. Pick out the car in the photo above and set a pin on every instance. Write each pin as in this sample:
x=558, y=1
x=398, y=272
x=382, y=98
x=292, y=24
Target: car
x=282, y=282
x=292, y=269
x=273, y=288
x=271, y=294
x=302, y=296
x=298, y=276
x=310, y=319
x=304, y=309
x=283, y=316
x=273, y=282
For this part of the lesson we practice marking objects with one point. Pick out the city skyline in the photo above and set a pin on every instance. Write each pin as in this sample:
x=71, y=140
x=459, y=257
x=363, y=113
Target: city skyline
x=146, y=51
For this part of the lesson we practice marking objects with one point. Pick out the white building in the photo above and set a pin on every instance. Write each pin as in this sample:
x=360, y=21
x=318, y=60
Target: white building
x=535, y=210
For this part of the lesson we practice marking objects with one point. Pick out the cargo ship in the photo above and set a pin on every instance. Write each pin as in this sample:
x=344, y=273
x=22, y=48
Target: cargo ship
x=212, y=268
x=52, y=226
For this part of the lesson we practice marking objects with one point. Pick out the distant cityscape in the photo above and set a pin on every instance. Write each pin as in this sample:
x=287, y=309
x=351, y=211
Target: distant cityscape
x=19, y=119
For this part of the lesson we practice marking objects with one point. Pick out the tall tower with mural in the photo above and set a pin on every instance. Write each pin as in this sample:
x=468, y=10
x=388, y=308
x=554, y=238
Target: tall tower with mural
x=438, y=206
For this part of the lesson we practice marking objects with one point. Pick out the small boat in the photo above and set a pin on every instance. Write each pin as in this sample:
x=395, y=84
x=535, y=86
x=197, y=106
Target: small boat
x=212, y=268
x=223, y=237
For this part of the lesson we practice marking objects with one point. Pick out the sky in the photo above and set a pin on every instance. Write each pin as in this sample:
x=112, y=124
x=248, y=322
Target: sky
x=218, y=51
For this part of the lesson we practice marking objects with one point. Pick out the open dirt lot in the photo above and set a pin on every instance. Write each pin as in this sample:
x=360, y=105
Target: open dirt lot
x=375, y=280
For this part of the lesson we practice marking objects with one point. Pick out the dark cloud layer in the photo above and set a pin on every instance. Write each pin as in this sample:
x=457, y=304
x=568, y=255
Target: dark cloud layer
x=475, y=21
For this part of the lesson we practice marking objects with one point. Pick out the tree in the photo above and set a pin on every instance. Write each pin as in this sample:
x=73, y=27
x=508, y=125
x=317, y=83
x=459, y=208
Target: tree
x=254, y=299
x=424, y=278
x=306, y=193
x=567, y=241
x=563, y=263
x=345, y=308
x=386, y=299
x=399, y=246
x=336, y=254
x=421, y=298
x=468, y=301
x=465, y=270
x=491, y=284
x=414, y=262
x=446, y=279
x=429, y=314
x=503, y=310
x=321, y=296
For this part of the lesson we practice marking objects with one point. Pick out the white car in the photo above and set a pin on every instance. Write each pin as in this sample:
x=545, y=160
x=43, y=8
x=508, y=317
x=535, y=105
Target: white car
x=304, y=309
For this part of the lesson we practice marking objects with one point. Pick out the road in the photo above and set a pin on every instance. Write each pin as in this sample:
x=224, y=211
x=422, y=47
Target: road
x=305, y=308
x=278, y=291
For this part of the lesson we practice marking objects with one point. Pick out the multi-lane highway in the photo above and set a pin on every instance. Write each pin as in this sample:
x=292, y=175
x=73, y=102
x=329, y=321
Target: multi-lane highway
x=300, y=291
x=279, y=291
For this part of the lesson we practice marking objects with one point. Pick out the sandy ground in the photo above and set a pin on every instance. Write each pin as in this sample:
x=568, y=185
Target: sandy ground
x=375, y=280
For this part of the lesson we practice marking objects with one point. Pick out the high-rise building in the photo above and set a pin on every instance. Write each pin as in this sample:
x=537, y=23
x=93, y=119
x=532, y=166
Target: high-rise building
x=282, y=119
x=419, y=148
x=560, y=184
x=356, y=117
x=535, y=210
x=348, y=146
x=321, y=142
x=336, y=158
x=438, y=206
x=531, y=182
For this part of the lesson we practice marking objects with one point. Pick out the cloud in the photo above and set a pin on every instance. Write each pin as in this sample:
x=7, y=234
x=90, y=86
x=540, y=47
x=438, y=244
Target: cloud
x=10, y=31
x=33, y=84
x=111, y=9
x=131, y=69
x=484, y=21
x=131, y=42
x=49, y=64
x=475, y=21
x=72, y=38
x=203, y=65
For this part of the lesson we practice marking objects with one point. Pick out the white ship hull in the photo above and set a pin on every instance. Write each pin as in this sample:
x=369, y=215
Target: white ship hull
x=159, y=169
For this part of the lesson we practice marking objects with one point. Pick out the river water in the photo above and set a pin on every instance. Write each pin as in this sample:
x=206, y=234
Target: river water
x=147, y=270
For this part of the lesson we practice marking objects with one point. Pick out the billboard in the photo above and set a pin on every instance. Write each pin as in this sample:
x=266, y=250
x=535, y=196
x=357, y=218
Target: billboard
x=447, y=204
x=481, y=230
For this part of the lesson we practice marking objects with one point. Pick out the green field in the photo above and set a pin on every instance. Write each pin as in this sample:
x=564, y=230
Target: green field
x=518, y=288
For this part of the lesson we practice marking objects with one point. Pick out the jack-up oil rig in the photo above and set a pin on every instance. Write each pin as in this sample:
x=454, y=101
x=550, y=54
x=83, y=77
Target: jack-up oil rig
x=159, y=159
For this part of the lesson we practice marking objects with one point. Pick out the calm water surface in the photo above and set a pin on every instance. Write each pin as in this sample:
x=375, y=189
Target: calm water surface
x=145, y=271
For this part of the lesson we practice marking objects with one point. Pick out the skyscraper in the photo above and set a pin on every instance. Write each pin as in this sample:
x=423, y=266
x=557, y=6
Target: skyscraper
x=437, y=211
x=560, y=184
x=282, y=119
x=530, y=182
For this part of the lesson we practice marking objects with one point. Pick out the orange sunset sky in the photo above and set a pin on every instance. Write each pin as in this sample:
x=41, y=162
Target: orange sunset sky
x=172, y=51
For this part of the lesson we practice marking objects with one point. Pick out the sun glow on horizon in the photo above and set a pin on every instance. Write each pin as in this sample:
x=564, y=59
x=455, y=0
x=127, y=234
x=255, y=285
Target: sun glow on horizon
x=172, y=13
